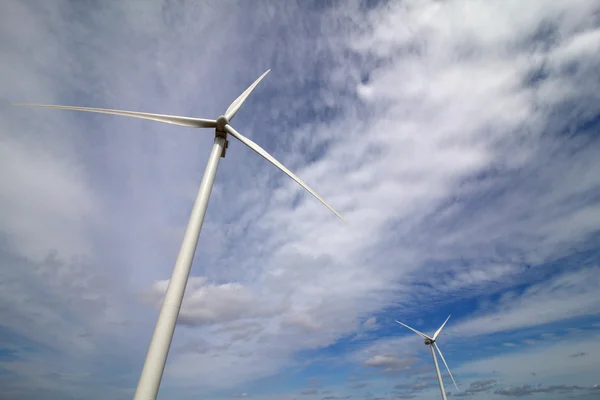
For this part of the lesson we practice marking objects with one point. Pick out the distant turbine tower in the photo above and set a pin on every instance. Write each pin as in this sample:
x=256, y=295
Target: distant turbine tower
x=430, y=341
x=156, y=357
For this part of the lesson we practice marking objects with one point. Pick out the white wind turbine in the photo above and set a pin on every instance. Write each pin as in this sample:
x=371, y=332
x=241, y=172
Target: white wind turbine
x=158, y=350
x=430, y=341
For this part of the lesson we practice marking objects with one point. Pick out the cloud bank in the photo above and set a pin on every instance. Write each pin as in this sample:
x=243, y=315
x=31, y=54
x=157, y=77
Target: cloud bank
x=457, y=138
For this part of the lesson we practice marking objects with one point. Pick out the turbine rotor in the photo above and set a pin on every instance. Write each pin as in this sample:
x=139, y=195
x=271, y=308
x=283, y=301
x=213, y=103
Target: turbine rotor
x=430, y=341
x=221, y=125
x=221, y=122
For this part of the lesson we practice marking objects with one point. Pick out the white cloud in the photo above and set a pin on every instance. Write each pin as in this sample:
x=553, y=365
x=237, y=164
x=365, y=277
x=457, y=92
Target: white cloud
x=449, y=102
x=33, y=228
x=550, y=360
x=390, y=362
x=370, y=323
x=569, y=295
x=206, y=303
x=425, y=95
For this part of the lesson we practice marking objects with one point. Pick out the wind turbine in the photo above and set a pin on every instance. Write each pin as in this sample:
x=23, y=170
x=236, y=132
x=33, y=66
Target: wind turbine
x=430, y=341
x=158, y=350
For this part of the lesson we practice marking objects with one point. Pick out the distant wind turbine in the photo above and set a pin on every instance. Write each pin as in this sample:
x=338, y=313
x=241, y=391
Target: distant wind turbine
x=158, y=350
x=430, y=341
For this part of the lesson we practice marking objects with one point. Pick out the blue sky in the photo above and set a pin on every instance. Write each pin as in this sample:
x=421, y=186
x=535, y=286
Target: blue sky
x=458, y=138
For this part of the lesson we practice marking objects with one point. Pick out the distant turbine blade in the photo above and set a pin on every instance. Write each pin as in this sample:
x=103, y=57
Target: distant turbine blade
x=435, y=335
x=424, y=336
x=169, y=119
x=276, y=163
x=446, y=364
x=237, y=103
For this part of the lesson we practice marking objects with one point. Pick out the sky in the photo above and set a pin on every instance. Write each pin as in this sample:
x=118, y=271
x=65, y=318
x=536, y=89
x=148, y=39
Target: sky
x=459, y=139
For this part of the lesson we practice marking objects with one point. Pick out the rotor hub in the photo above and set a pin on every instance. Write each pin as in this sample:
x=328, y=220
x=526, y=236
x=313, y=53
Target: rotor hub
x=221, y=122
x=429, y=341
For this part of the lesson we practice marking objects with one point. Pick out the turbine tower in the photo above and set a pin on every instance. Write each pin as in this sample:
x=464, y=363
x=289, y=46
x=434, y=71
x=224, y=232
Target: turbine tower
x=430, y=341
x=158, y=350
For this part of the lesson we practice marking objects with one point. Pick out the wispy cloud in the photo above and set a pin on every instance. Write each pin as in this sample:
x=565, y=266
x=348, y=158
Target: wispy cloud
x=550, y=361
x=527, y=390
x=454, y=137
x=569, y=295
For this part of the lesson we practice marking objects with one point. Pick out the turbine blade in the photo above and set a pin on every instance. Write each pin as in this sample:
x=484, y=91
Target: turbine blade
x=237, y=103
x=446, y=364
x=435, y=335
x=276, y=163
x=424, y=336
x=169, y=119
